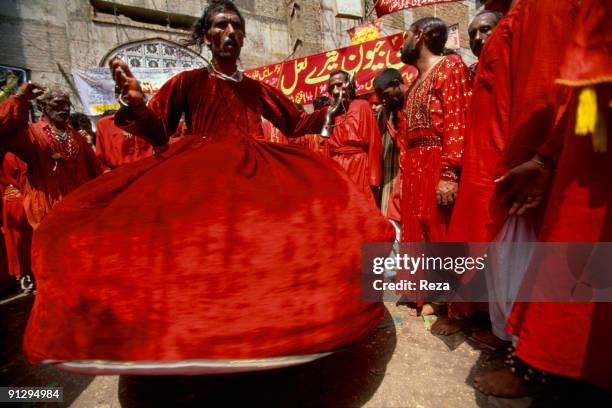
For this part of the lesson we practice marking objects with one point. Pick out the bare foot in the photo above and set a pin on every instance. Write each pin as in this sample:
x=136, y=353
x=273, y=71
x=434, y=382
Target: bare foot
x=502, y=383
x=430, y=309
x=445, y=326
x=488, y=338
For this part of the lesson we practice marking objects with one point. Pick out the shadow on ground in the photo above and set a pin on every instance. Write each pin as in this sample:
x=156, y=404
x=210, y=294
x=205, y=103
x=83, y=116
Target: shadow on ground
x=15, y=371
x=346, y=379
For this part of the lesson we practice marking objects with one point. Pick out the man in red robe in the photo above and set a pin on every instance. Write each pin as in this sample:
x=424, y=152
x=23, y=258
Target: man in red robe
x=355, y=142
x=217, y=203
x=17, y=230
x=391, y=91
x=58, y=158
x=517, y=69
x=569, y=339
x=115, y=147
x=436, y=107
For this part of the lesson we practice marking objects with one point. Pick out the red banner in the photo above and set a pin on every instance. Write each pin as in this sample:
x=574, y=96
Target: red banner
x=304, y=79
x=391, y=6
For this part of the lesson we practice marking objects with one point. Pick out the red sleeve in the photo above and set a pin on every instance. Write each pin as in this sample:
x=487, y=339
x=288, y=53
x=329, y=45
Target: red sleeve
x=369, y=125
x=456, y=92
x=14, y=135
x=163, y=112
x=283, y=114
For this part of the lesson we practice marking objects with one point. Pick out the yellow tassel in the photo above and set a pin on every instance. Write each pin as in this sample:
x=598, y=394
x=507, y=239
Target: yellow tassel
x=589, y=121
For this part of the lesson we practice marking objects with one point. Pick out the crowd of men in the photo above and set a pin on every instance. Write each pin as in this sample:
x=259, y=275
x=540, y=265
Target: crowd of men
x=486, y=153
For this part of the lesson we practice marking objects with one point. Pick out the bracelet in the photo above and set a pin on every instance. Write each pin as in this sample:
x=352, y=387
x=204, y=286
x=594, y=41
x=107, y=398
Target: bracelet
x=125, y=104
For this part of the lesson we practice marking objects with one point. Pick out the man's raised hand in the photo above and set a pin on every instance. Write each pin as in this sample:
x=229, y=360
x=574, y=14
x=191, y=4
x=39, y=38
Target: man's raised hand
x=30, y=90
x=127, y=87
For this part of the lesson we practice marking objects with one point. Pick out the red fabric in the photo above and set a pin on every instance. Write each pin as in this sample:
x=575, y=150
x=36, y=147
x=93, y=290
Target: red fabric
x=436, y=108
x=313, y=142
x=44, y=186
x=501, y=135
x=115, y=147
x=355, y=144
x=572, y=339
x=222, y=247
x=272, y=134
x=590, y=47
x=17, y=230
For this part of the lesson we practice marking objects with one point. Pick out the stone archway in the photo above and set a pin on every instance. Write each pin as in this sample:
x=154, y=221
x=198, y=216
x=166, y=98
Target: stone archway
x=155, y=53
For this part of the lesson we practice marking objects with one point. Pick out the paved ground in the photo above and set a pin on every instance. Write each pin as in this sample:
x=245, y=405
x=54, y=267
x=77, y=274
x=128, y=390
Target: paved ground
x=400, y=365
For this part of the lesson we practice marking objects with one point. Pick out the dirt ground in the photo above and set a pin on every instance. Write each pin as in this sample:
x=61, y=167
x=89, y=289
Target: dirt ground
x=400, y=365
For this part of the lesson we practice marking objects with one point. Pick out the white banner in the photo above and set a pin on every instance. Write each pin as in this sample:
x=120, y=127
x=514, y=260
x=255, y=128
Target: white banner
x=97, y=88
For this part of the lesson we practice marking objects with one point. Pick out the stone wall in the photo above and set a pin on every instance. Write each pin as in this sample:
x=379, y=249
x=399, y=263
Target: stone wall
x=50, y=37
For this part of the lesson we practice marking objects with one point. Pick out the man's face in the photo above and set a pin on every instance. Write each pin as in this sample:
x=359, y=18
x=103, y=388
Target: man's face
x=410, y=48
x=226, y=36
x=58, y=110
x=392, y=97
x=338, y=84
x=480, y=28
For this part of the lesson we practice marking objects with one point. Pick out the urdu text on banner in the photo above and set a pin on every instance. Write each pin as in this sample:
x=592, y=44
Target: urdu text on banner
x=384, y=7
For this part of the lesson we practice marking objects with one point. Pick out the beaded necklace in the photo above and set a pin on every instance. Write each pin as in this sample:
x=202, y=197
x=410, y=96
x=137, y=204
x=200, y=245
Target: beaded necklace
x=64, y=146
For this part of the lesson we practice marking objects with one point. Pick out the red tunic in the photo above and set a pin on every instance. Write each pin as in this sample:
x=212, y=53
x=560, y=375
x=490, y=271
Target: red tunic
x=432, y=146
x=512, y=113
x=355, y=143
x=166, y=254
x=48, y=180
x=272, y=134
x=115, y=147
x=17, y=230
x=313, y=142
x=573, y=339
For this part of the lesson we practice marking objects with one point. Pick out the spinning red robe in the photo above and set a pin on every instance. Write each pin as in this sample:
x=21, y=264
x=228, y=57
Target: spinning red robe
x=222, y=247
x=17, y=230
x=573, y=339
x=355, y=144
x=48, y=180
x=115, y=147
x=432, y=147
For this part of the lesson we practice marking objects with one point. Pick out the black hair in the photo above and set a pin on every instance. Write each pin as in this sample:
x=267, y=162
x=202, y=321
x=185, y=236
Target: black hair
x=299, y=106
x=320, y=102
x=386, y=77
x=498, y=14
x=204, y=23
x=109, y=112
x=78, y=119
x=435, y=33
x=348, y=78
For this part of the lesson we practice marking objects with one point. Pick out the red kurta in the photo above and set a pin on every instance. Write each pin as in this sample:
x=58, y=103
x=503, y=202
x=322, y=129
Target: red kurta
x=167, y=254
x=512, y=113
x=17, y=230
x=48, y=181
x=573, y=339
x=355, y=144
x=436, y=107
x=115, y=147
x=313, y=142
x=272, y=134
